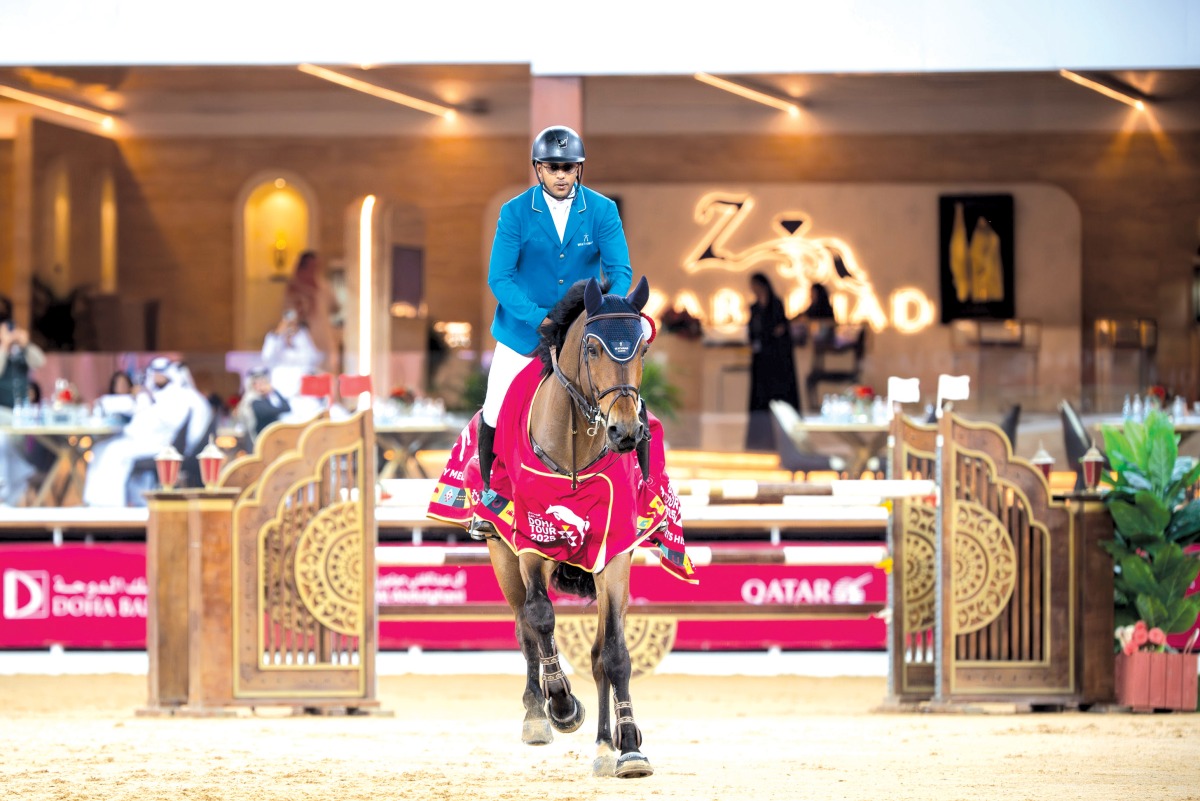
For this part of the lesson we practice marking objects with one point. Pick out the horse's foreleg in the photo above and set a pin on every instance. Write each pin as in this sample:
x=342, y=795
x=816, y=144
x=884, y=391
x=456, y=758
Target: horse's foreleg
x=627, y=737
x=605, y=763
x=566, y=713
x=535, y=729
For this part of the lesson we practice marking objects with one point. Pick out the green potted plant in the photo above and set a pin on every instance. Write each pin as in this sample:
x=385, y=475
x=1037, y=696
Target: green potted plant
x=1154, y=523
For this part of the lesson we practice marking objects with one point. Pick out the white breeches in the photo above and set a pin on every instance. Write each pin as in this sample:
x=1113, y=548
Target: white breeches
x=506, y=363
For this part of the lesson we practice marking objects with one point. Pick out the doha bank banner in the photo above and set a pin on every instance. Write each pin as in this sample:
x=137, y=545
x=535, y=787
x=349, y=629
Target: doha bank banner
x=80, y=596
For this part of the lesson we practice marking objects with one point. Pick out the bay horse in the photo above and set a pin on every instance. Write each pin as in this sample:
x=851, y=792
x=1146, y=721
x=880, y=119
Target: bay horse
x=586, y=407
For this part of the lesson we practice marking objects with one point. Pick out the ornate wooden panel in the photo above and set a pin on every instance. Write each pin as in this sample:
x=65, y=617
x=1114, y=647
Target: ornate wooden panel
x=304, y=565
x=1006, y=607
x=912, y=539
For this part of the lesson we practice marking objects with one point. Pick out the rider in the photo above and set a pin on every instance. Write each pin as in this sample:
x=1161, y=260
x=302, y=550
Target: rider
x=548, y=237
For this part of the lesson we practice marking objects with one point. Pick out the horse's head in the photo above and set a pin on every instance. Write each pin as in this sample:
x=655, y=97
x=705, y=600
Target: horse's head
x=599, y=360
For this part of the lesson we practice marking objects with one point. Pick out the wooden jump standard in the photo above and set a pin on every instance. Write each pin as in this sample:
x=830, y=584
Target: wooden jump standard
x=262, y=589
x=1000, y=592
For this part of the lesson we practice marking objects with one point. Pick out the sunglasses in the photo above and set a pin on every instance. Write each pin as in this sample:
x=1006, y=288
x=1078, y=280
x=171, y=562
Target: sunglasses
x=566, y=169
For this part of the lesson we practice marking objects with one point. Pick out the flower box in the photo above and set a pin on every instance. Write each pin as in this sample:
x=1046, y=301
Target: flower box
x=1152, y=680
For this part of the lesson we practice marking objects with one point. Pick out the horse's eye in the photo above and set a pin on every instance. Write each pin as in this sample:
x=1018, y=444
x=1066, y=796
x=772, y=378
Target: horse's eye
x=592, y=351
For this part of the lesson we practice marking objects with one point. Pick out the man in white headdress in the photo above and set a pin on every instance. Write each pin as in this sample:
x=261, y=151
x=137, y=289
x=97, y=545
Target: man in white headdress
x=153, y=427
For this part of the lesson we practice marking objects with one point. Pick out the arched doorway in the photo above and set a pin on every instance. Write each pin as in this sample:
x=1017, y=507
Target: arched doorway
x=275, y=220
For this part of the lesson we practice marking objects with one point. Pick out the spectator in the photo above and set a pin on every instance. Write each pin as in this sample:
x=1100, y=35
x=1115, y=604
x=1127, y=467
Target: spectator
x=118, y=403
x=153, y=427
x=290, y=354
x=262, y=404
x=772, y=363
x=311, y=297
x=18, y=356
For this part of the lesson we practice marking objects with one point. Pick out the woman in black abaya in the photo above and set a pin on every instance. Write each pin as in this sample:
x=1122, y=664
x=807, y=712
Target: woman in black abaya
x=772, y=366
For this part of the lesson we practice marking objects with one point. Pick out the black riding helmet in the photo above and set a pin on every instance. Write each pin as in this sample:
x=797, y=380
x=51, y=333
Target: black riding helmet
x=558, y=144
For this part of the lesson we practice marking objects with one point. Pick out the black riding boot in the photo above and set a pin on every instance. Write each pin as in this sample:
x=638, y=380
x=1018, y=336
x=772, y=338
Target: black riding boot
x=487, y=438
x=482, y=529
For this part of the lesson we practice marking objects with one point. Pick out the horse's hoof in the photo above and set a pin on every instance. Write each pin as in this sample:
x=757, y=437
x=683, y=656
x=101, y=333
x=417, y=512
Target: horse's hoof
x=572, y=723
x=536, y=732
x=605, y=763
x=633, y=766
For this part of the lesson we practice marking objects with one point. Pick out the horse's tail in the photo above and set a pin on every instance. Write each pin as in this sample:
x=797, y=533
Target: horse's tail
x=573, y=580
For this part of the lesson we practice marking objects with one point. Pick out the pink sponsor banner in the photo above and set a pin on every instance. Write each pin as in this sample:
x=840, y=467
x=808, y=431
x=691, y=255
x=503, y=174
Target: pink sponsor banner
x=747, y=586
x=77, y=596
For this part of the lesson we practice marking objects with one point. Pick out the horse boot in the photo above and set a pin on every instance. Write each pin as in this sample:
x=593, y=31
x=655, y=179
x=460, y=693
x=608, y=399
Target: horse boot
x=482, y=529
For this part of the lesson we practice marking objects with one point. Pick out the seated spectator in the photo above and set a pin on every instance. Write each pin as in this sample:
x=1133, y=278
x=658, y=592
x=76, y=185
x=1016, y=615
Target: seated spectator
x=262, y=404
x=118, y=403
x=289, y=353
x=152, y=428
x=18, y=356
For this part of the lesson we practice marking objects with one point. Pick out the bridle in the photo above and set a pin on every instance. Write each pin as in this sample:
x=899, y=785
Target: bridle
x=589, y=408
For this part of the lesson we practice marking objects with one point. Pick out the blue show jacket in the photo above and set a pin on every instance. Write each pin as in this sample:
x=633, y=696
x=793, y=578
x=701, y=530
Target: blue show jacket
x=530, y=270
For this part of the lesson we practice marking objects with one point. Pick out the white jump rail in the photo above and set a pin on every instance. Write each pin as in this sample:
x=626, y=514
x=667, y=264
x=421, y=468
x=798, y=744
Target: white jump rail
x=850, y=506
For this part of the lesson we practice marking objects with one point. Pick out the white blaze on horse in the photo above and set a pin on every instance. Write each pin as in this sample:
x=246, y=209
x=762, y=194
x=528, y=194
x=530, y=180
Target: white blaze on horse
x=575, y=443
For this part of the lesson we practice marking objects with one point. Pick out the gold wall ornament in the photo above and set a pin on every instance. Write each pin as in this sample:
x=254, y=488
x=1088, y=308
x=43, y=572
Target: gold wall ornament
x=648, y=638
x=985, y=567
x=920, y=574
x=328, y=568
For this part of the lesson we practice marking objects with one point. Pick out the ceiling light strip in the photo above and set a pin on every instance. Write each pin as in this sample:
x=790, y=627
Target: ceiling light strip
x=750, y=94
x=446, y=112
x=84, y=113
x=1107, y=91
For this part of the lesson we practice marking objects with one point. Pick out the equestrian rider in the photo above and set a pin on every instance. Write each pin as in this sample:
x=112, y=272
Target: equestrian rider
x=548, y=237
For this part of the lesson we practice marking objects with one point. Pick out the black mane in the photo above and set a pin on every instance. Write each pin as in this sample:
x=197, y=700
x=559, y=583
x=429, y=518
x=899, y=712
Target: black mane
x=554, y=331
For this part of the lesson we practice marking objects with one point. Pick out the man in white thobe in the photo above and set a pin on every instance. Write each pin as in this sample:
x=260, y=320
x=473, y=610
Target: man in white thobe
x=153, y=427
x=289, y=353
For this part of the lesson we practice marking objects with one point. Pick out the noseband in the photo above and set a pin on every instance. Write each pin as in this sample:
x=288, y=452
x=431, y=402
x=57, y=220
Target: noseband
x=589, y=408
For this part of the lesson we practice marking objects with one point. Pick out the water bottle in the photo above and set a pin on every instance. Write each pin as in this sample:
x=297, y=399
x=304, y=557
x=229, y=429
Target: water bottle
x=878, y=411
x=1178, y=409
x=1127, y=409
x=1136, y=408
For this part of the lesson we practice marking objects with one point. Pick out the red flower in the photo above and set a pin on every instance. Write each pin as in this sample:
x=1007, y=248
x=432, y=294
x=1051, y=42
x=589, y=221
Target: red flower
x=864, y=392
x=1159, y=391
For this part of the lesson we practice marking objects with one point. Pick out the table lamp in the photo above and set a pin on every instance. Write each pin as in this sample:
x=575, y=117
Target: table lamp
x=211, y=459
x=167, y=463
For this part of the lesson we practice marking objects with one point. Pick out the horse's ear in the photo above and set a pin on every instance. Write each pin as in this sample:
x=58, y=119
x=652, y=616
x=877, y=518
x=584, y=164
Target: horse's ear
x=592, y=297
x=640, y=294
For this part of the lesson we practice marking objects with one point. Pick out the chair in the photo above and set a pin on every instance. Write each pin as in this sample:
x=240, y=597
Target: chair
x=144, y=475
x=902, y=390
x=952, y=388
x=792, y=444
x=845, y=341
x=1075, y=438
x=1008, y=424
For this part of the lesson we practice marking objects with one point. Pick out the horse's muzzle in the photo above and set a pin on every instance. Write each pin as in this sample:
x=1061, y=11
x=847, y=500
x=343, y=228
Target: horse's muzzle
x=624, y=437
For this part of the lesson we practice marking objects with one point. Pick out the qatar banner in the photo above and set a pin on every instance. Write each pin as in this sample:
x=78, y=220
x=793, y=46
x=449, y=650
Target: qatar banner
x=77, y=596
